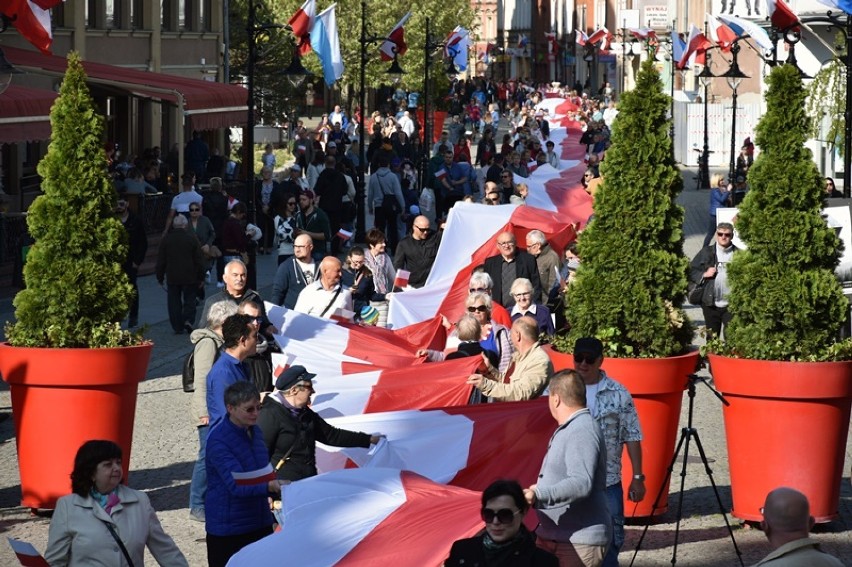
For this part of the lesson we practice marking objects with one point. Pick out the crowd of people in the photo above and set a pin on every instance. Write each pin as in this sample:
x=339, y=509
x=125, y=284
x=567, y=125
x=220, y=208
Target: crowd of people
x=258, y=432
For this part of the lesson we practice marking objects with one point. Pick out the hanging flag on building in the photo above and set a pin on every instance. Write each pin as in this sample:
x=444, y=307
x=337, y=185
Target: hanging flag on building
x=395, y=40
x=842, y=5
x=644, y=34
x=720, y=33
x=301, y=23
x=743, y=28
x=456, y=46
x=678, y=46
x=523, y=40
x=552, y=46
x=32, y=20
x=696, y=44
x=581, y=37
x=326, y=44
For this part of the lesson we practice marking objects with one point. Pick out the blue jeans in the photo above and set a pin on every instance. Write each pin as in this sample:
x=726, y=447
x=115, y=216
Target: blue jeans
x=615, y=500
x=198, y=484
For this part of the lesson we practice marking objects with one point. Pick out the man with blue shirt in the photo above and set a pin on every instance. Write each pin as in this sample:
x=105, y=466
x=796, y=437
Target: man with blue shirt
x=240, y=335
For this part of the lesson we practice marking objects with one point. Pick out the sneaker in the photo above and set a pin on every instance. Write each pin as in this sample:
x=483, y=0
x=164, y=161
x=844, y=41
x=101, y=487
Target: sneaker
x=197, y=514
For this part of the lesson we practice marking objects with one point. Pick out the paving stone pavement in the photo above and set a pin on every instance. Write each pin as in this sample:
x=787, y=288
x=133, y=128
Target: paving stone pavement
x=165, y=444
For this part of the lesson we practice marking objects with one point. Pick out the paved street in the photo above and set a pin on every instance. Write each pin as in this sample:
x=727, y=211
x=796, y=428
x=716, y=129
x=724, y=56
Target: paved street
x=165, y=444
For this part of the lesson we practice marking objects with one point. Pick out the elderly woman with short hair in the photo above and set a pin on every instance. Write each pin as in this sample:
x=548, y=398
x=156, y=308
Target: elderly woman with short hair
x=522, y=291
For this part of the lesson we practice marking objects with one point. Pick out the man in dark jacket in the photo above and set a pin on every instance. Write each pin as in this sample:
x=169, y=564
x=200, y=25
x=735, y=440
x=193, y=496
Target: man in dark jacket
x=508, y=266
x=330, y=189
x=295, y=273
x=136, y=250
x=291, y=429
x=710, y=267
x=180, y=262
x=416, y=252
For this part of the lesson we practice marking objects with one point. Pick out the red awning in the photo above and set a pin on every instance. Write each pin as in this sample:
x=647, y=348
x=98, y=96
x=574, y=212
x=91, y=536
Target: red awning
x=208, y=105
x=25, y=114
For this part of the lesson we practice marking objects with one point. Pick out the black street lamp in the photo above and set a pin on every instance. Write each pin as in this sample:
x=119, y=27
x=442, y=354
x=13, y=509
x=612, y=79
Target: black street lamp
x=734, y=76
x=395, y=72
x=705, y=77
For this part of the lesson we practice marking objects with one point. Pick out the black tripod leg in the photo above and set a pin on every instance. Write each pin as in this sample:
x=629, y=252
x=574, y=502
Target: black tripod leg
x=716, y=492
x=688, y=432
x=683, y=436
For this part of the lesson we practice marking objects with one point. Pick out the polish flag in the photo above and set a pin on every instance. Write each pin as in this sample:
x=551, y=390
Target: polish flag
x=323, y=345
x=720, y=33
x=301, y=23
x=743, y=27
x=27, y=554
x=344, y=234
x=467, y=446
x=367, y=517
x=598, y=35
x=581, y=37
x=781, y=15
x=401, y=278
x=643, y=33
x=257, y=476
x=428, y=385
x=395, y=40
x=32, y=20
x=441, y=173
x=697, y=42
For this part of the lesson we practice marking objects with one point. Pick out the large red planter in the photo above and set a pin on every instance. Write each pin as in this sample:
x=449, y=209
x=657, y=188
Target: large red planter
x=786, y=426
x=657, y=386
x=62, y=398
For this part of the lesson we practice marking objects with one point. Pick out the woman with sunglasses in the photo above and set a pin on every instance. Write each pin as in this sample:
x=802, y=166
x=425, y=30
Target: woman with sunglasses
x=495, y=337
x=505, y=541
x=285, y=227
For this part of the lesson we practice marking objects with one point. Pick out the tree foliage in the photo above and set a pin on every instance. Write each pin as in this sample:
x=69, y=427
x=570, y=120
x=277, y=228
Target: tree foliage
x=826, y=100
x=786, y=302
x=76, y=290
x=276, y=95
x=633, y=276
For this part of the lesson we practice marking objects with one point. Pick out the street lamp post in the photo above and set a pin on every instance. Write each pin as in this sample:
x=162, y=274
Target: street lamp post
x=395, y=72
x=734, y=77
x=704, y=174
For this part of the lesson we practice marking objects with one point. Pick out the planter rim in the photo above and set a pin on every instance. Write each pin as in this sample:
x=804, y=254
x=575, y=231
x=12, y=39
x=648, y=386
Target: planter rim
x=144, y=344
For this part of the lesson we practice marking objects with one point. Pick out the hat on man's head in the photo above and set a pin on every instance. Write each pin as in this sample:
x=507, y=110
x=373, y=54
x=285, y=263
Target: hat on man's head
x=309, y=194
x=331, y=145
x=291, y=377
x=588, y=345
x=369, y=315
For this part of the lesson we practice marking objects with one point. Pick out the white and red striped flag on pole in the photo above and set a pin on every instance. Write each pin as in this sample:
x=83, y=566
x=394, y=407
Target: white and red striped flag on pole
x=32, y=20
x=301, y=23
x=395, y=41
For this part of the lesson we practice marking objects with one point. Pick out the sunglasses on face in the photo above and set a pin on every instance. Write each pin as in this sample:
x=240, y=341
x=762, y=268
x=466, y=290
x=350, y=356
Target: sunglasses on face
x=503, y=515
x=724, y=234
x=584, y=357
x=422, y=229
x=195, y=210
x=479, y=308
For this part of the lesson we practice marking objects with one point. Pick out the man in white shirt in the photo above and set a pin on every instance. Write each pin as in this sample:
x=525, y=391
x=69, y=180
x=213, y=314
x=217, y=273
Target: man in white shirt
x=182, y=201
x=322, y=298
x=552, y=157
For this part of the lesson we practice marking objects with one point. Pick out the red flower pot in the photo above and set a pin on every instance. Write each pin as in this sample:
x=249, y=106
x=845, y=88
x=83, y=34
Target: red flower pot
x=62, y=397
x=786, y=426
x=657, y=386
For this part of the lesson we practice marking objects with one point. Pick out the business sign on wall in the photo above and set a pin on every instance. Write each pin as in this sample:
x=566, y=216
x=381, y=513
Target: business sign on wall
x=656, y=16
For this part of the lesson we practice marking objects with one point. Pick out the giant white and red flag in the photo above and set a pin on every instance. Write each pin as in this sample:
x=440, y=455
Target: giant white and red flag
x=367, y=517
x=32, y=20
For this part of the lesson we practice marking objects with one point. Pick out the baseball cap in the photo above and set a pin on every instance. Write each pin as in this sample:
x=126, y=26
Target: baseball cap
x=588, y=345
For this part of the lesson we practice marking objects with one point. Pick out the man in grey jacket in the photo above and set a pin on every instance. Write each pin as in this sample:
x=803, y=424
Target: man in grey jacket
x=570, y=496
x=385, y=201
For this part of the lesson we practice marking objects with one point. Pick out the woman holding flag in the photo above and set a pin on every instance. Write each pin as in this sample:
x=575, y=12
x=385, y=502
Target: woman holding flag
x=239, y=478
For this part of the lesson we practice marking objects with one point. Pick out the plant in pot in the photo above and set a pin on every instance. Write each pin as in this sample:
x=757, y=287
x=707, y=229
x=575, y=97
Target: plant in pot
x=631, y=282
x=786, y=374
x=73, y=372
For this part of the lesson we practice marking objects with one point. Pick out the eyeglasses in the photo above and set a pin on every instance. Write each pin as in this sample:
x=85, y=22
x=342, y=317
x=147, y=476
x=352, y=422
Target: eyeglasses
x=506, y=244
x=300, y=246
x=478, y=289
x=194, y=210
x=503, y=515
x=522, y=294
x=584, y=357
x=423, y=228
x=251, y=409
x=724, y=234
x=479, y=308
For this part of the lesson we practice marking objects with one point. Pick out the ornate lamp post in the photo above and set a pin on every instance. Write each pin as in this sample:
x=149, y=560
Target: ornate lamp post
x=704, y=166
x=734, y=76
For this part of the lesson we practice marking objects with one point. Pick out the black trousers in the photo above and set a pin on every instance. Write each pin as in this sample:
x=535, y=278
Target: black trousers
x=221, y=548
x=715, y=318
x=181, y=303
x=386, y=222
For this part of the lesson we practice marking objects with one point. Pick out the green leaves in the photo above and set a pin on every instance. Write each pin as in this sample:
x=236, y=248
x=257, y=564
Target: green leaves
x=632, y=279
x=785, y=299
x=76, y=289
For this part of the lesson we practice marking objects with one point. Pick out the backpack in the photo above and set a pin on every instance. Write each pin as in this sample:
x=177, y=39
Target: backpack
x=188, y=376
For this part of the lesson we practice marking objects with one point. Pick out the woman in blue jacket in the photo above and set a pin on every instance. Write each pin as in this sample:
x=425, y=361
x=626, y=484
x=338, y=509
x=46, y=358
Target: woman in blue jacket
x=239, y=478
x=720, y=196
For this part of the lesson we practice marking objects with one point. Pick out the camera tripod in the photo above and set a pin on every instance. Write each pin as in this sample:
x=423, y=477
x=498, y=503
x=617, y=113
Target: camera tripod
x=687, y=434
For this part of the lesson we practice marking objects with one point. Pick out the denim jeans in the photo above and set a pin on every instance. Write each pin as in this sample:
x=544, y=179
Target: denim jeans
x=198, y=485
x=615, y=500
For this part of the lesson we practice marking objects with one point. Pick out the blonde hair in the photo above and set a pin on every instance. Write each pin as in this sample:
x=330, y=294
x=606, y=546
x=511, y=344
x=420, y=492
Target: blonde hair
x=715, y=179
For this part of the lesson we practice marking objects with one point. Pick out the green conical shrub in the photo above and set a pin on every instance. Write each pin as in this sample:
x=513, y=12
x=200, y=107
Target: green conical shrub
x=633, y=276
x=786, y=302
x=76, y=291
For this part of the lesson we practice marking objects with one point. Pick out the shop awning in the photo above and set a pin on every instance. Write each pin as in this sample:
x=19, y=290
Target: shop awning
x=208, y=105
x=25, y=114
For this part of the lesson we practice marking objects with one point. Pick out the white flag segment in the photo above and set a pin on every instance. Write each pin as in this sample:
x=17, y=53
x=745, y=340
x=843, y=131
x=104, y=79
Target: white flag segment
x=432, y=443
x=326, y=44
x=428, y=385
x=367, y=517
x=467, y=446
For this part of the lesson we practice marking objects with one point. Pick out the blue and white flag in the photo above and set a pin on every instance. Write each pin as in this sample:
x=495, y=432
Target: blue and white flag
x=326, y=44
x=456, y=47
